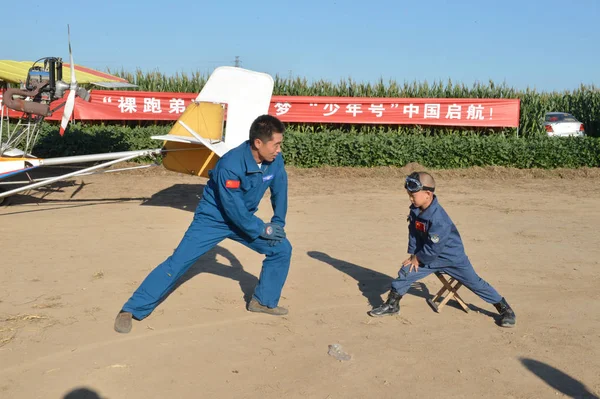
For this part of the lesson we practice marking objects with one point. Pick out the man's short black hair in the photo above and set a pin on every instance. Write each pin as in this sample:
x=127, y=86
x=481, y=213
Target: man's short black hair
x=263, y=128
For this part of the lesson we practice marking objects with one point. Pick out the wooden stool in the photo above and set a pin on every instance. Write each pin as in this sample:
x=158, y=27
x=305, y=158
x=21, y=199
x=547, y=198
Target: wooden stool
x=435, y=302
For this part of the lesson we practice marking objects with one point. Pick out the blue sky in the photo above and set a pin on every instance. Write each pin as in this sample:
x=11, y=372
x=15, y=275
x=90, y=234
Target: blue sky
x=547, y=45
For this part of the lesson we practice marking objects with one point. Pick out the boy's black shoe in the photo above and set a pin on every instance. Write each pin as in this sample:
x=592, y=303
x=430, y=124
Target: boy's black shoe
x=507, y=315
x=389, y=308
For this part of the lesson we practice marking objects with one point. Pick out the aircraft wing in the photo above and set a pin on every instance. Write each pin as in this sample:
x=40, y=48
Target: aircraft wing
x=16, y=72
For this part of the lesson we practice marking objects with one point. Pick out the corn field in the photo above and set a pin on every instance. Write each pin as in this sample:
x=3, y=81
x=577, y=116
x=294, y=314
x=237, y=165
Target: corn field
x=583, y=103
x=338, y=148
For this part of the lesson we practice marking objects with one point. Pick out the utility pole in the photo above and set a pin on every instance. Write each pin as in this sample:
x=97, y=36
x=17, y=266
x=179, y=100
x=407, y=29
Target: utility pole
x=237, y=61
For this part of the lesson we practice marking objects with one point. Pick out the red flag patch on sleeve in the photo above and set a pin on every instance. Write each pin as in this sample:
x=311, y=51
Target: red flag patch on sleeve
x=420, y=226
x=232, y=184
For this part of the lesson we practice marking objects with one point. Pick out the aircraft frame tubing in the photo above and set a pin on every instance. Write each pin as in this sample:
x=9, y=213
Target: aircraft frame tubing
x=112, y=158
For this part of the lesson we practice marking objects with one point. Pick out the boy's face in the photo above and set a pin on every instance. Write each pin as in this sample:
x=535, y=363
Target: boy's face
x=420, y=198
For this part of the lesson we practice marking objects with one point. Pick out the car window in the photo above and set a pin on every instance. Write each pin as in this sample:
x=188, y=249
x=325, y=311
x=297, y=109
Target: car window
x=568, y=118
x=560, y=118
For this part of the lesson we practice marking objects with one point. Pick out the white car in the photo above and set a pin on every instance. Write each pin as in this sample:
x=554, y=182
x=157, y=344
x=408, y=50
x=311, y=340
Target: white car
x=561, y=124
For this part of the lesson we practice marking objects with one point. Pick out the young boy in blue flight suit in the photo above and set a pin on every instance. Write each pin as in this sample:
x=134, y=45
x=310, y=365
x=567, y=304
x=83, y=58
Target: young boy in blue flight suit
x=435, y=245
x=231, y=197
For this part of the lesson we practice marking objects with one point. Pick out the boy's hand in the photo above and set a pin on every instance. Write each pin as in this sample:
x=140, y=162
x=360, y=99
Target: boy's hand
x=413, y=262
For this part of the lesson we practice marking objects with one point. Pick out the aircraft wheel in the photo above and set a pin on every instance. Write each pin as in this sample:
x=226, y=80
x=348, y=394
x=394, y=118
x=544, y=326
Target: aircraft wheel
x=4, y=201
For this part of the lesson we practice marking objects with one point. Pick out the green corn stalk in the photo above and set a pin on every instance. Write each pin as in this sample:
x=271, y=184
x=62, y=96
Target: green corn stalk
x=583, y=102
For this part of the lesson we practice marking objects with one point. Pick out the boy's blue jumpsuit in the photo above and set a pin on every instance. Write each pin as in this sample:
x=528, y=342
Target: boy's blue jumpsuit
x=434, y=239
x=231, y=197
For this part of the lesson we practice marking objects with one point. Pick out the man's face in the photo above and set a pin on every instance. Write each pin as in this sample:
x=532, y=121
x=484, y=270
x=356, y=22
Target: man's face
x=268, y=151
x=420, y=198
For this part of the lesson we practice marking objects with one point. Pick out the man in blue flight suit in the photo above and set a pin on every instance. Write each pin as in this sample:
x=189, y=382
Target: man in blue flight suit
x=435, y=245
x=231, y=197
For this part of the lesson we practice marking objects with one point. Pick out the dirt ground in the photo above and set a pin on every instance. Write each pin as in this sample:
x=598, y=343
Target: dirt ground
x=72, y=254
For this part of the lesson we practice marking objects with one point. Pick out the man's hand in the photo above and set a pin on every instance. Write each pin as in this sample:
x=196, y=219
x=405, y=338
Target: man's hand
x=413, y=262
x=274, y=233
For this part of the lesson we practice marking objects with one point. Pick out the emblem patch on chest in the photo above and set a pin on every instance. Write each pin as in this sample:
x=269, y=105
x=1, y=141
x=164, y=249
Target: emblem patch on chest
x=420, y=226
x=267, y=177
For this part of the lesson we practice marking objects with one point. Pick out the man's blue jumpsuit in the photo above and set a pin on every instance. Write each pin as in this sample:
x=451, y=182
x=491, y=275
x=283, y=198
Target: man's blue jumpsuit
x=434, y=239
x=231, y=197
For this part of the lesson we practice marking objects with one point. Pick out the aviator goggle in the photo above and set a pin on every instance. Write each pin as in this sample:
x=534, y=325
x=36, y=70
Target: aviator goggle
x=413, y=184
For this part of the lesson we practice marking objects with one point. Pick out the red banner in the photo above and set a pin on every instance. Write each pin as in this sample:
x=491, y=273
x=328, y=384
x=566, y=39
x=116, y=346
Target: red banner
x=139, y=105
x=401, y=111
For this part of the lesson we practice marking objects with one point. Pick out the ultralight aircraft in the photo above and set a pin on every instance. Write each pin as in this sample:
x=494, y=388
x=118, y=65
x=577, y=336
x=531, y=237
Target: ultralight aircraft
x=217, y=120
